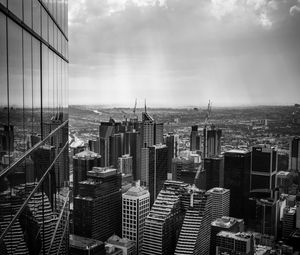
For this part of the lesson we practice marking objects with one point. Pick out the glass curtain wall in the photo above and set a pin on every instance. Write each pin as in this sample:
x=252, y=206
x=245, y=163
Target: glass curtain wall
x=34, y=169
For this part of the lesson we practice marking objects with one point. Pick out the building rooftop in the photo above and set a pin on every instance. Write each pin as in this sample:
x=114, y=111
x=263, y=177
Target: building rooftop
x=242, y=236
x=87, y=154
x=237, y=151
x=83, y=243
x=218, y=190
x=283, y=174
x=116, y=240
x=225, y=222
x=102, y=172
x=136, y=191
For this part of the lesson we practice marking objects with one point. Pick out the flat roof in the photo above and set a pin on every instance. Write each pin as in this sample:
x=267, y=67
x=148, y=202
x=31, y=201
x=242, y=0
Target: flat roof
x=83, y=243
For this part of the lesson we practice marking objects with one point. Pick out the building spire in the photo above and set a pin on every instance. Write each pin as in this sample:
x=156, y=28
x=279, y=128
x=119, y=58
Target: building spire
x=145, y=105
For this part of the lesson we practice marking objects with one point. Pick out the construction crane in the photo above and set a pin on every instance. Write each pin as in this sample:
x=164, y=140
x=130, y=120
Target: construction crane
x=208, y=113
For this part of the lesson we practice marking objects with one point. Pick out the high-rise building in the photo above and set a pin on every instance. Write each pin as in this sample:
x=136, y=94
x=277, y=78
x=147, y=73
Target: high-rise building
x=263, y=168
x=135, y=209
x=116, y=148
x=34, y=91
x=147, y=130
x=158, y=169
x=144, y=171
x=125, y=164
x=214, y=167
x=158, y=133
x=283, y=181
x=85, y=246
x=294, y=163
x=228, y=224
x=195, y=139
x=237, y=180
x=82, y=163
x=124, y=244
x=106, y=130
x=163, y=224
x=194, y=235
x=172, y=142
x=235, y=243
x=98, y=205
x=220, y=202
x=212, y=142
x=183, y=170
x=133, y=148
x=288, y=221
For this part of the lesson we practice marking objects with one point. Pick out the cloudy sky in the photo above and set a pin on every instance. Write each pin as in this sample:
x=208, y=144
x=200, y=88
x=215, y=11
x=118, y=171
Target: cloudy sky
x=184, y=52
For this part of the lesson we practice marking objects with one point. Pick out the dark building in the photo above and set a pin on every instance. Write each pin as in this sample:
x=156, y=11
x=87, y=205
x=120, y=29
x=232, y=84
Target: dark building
x=171, y=141
x=158, y=133
x=294, y=163
x=106, y=130
x=195, y=139
x=85, y=246
x=214, y=167
x=133, y=148
x=82, y=163
x=98, y=205
x=6, y=139
x=237, y=179
x=183, y=170
x=158, y=169
x=212, y=142
x=288, y=222
x=147, y=130
x=263, y=168
x=116, y=146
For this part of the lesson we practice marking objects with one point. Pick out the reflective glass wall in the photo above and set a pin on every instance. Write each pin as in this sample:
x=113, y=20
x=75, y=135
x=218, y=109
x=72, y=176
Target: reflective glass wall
x=34, y=173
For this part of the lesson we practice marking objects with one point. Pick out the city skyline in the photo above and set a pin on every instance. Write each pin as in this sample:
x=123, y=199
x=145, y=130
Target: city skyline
x=177, y=53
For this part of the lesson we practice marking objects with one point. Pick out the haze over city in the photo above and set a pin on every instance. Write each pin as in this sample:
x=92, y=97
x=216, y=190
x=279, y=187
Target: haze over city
x=178, y=53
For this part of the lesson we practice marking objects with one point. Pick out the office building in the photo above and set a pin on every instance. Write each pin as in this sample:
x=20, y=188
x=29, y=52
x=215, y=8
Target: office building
x=220, y=202
x=147, y=130
x=133, y=148
x=284, y=180
x=98, y=205
x=172, y=142
x=294, y=163
x=124, y=244
x=144, y=171
x=237, y=180
x=135, y=209
x=85, y=246
x=163, y=223
x=94, y=145
x=224, y=223
x=263, y=168
x=195, y=139
x=110, y=249
x=34, y=93
x=116, y=148
x=183, y=170
x=267, y=217
x=106, y=130
x=288, y=222
x=82, y=163
x=158, y=133
x=158, y=170
x=212, y=142
x=235, y=243
x=125, y=164
x=214, y=167
x=194, y=235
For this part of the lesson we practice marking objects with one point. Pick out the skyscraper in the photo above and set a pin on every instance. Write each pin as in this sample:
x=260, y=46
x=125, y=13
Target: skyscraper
x=263, y=168
x=194, y=235
x=158, y=133
x=295, y=154
x=237, y=180
x=172, y=142
x=98, y=205
x=212, y=142
x=214, y=167
x=162, y=226
x=125, y=164
x=195, y=139
x=183, y=170
x=135, y=209
x=220, y=202
x=82, y=163
x=34, y=91
x=106, y=130
x=147, y=130
x=158, y=169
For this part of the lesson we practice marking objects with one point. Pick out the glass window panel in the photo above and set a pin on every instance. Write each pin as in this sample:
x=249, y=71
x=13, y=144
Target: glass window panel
x=45, y=85
x=59, y=41
x=55, y=84
x=51, y=27
x=36, y=8
x=44, y=25
x=55, y=37
x=59, y=85
x=15, y=6
x=28, y=113
x=16, y=84
x=51, y=84
x=36, y=79
x=28, y=12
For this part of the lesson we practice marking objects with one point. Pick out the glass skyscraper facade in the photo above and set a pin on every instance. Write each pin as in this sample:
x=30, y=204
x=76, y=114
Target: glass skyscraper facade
x=34, y=171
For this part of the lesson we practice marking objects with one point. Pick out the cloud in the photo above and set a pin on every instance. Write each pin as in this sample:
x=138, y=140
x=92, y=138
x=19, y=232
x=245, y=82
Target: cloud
x=295, y=9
